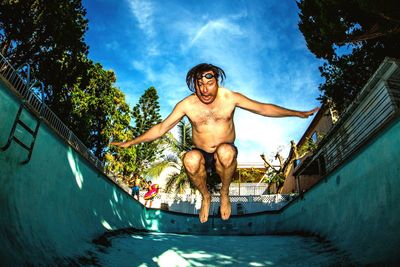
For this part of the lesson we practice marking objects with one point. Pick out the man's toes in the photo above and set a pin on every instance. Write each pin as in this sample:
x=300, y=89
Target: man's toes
x=225, y=215
x=203, y=218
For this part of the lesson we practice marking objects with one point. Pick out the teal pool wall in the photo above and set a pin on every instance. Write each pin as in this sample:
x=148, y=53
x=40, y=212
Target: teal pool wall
x=357, y=206
x=54, y=206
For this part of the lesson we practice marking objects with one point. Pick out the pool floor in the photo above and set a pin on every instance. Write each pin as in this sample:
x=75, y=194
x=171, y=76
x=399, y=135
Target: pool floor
x=160, y=249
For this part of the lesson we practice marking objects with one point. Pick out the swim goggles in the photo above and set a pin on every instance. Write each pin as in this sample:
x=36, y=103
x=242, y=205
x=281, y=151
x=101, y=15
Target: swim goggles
x=207, y=75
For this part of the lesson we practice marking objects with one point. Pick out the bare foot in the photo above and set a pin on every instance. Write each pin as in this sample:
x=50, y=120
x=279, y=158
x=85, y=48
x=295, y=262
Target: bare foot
x=225, y=206
x=205, y=207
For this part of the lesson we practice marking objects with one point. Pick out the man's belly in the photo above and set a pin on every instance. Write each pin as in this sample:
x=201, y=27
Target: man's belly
x=210, y=145
x=210, y=136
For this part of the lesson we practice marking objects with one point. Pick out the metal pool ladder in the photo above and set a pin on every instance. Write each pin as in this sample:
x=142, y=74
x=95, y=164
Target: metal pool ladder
x=29, y=130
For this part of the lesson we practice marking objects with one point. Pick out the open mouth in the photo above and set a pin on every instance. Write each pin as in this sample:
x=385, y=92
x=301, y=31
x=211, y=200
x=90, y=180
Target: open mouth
x=208, y=99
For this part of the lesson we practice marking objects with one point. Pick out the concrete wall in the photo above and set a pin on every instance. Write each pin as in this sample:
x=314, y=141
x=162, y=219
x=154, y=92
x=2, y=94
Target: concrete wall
x=54, y=206
x=321, y=124
x=357, y=206
x=243, y=204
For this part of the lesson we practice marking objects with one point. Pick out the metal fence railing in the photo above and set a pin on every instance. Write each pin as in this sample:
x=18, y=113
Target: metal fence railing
x=191, y=203
x=27, y=91
x=376, y=105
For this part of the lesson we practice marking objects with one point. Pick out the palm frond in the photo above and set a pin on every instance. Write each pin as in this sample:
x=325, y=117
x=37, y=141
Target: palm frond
x=185, y=140
x=156, y=169
x=172, y=159
x=171, y=182
x=171, y=143
x=182, y=181
x=177, y=182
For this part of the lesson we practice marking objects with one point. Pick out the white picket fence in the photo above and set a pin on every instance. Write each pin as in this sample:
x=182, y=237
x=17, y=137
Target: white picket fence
x=191, y=204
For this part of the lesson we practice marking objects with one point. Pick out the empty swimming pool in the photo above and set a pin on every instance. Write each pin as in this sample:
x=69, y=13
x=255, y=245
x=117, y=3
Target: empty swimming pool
x=58, y=208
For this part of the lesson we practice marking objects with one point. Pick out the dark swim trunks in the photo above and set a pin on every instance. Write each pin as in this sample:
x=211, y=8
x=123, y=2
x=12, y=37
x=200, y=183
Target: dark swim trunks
x=135, y=190
x=210, y=160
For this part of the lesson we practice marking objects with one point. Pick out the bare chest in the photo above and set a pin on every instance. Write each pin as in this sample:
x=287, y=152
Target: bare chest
x=211, y=116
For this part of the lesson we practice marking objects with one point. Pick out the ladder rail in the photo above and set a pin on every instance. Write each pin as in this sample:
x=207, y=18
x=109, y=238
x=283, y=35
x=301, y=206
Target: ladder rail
x=12, y=137
x=32, y=93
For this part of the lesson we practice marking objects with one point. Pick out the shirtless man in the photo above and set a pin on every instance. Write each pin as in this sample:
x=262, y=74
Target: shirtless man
x=136, y=186
x=210, y=111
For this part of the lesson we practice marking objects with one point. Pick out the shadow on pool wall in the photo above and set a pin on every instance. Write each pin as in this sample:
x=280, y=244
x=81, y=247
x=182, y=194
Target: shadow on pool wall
x=53, y=207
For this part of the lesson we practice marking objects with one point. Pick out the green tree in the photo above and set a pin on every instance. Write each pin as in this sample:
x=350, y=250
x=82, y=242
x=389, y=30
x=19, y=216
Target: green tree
x=48, y=35
x=120, y=163
x=353, y=36
x=100, y=115
x=146, y=114
x=249, y=175
x=99, y=108
x=277, y=174
x=177, y=179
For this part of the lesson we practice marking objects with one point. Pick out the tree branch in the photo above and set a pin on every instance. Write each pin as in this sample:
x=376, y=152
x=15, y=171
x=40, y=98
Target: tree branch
x=267, y=164
x=373, y=33
x=281, y=162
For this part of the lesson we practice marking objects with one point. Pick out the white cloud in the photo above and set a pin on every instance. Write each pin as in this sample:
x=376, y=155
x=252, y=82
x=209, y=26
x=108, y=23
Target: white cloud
x=256, y=135
x=153, y=49
x=145, y=68
x=214, y=28
x=112, y=45
x=143, y=12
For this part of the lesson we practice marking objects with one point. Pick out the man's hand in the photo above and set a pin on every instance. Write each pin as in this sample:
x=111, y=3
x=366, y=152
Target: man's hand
x=121, y=144
x=306, y=114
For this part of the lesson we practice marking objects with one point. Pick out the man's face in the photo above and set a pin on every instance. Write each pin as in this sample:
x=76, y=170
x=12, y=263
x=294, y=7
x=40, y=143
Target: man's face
x=207, y=88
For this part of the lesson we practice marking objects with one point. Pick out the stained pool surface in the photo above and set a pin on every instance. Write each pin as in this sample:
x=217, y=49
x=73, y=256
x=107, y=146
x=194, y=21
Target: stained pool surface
x=161, y=249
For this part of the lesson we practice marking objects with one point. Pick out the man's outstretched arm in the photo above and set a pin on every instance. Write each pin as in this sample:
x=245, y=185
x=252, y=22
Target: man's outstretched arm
x=270, y=110
x=157, y=130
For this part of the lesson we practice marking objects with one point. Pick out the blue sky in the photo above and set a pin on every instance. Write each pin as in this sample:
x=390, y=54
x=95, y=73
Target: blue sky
x=257, y=43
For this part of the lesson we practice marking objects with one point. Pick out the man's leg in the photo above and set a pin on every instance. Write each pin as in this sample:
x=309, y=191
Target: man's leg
x=225, y=157
x=195, y=168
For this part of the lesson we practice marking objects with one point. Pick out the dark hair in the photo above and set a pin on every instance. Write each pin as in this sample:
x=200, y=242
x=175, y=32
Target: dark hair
x=196, y=72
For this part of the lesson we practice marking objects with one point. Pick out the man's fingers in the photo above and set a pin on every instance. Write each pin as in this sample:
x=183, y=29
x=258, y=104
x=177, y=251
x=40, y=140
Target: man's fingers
x=311, y=112
x=119, y=144
x=314, y=110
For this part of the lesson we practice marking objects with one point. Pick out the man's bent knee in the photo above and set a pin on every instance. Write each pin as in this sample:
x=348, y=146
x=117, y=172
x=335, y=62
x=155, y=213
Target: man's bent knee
x=226, y=154
x=192, y=161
